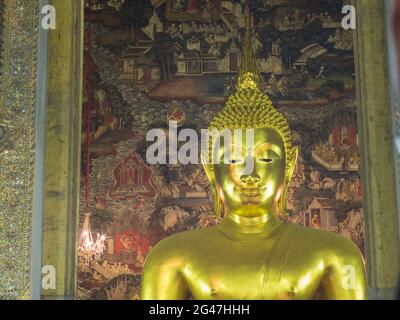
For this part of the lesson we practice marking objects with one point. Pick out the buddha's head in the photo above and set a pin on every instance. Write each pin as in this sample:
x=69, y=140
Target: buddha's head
x=262, y=190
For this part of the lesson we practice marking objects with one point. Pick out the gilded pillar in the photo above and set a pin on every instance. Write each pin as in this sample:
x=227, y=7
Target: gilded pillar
x=377, y=148
x=63, y=126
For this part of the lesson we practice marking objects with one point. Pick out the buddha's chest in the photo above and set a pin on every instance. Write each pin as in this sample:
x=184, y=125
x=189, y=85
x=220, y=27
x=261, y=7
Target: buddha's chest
x=252, y=273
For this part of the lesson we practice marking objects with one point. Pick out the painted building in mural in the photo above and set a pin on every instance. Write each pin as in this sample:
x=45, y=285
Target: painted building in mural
x=177, y=59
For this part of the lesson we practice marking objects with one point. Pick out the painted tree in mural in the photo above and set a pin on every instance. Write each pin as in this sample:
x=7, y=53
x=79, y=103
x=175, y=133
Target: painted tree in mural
x=163, y=53
x=330, y=6
x=290, y=42
x=136, y=13
x=314, y=32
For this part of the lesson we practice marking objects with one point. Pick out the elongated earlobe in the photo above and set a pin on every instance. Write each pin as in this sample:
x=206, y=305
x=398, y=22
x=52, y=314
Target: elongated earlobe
x=218, y=207
x=208, y=169
x=282, y=203
x=294, y=153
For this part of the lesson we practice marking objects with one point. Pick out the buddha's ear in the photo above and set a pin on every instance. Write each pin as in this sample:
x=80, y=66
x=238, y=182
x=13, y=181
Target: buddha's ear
x=294, y=153
x=208, y=169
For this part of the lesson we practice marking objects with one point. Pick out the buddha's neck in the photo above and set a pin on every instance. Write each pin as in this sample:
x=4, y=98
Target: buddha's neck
x=242, y=228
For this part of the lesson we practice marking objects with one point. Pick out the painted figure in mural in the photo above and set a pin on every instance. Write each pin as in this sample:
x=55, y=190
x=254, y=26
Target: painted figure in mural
x=315, y=178
x=192, y=6
x=315, y=222
x=254, y=253
x=353, y=226
x=178, y=5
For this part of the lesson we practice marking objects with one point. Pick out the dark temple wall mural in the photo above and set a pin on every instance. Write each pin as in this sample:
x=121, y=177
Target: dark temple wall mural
x=153, y=61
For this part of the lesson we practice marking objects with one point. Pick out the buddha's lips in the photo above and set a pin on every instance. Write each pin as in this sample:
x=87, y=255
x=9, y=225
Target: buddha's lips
x=250, y=192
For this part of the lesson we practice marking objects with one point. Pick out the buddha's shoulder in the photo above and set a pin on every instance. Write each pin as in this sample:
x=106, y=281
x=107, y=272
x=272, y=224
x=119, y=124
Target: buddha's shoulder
x=322, y=240
x=182, y=244
x=190, y=236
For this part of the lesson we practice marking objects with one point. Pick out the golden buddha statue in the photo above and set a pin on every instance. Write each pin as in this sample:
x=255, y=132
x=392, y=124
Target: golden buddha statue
x=254, y=253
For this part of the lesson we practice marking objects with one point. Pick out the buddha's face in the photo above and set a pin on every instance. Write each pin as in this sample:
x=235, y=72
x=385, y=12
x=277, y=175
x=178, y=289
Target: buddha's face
x=255, y=192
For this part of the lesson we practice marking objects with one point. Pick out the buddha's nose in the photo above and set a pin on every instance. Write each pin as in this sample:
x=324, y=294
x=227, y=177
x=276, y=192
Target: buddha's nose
x=250, y=179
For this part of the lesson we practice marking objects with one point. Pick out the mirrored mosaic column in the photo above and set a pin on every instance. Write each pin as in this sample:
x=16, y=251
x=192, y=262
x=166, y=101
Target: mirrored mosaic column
x=19, y=41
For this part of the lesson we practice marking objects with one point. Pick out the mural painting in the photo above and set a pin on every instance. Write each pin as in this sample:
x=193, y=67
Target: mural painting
x=154, y=61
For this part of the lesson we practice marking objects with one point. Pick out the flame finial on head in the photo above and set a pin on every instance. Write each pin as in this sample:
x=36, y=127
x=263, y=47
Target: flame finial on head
x=249, y=107
x=249, y=75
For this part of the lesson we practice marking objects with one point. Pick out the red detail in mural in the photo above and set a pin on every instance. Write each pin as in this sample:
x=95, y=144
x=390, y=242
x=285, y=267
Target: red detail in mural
x=344, y=135
x=132, y=178
x=176, y=115
x=131, y=241
x=353, y=136
x=192, y=6
x=336, y=136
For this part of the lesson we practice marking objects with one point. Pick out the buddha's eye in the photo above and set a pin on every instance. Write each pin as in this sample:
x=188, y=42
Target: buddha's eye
x=234, y=161
x=267, y=156
x=266, y=160
x=232, y=157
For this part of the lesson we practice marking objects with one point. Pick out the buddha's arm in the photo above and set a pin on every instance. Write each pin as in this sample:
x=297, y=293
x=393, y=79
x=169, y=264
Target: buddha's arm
x=162, y=279
x=345, y=277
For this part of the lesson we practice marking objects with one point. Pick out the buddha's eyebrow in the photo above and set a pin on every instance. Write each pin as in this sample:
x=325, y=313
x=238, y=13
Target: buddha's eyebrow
x=230, y=148
x=237, y=146
x=269, y=146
